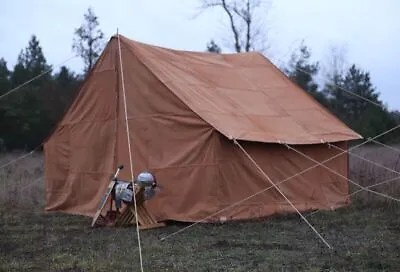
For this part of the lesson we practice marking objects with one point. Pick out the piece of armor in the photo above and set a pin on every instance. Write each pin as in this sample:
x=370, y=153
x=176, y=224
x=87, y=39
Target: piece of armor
x=123, y=192
x=145, y=179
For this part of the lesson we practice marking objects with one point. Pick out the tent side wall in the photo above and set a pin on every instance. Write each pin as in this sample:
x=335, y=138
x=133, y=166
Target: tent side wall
x=315, y=189
x=79, y=154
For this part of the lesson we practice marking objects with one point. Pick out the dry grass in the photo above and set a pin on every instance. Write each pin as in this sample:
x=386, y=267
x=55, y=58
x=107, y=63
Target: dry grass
x=364, y=236
x=22, y=181
x=367, y=174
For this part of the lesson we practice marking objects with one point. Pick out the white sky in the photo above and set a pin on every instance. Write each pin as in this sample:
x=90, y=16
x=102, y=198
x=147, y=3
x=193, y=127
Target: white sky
x=369, y=30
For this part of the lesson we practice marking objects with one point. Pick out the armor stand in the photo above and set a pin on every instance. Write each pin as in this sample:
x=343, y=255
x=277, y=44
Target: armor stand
x=145, y=219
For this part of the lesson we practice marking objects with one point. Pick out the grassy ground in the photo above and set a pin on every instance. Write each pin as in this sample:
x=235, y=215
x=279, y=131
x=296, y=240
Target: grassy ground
x=365, y=236
x=363, y=240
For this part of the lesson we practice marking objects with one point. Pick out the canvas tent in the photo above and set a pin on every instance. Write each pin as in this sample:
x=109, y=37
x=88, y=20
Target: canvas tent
x=183, y=110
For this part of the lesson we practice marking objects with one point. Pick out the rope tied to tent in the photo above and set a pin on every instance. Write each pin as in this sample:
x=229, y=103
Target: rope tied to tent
x=362, y=190
x=280, y=191
x=17, y=159
x=365, y=159
x=386, y=181
x=335, y=85
x=19, y=87
x=387, y=146
x=341, y=175
x=129, y=150
x=35, y=78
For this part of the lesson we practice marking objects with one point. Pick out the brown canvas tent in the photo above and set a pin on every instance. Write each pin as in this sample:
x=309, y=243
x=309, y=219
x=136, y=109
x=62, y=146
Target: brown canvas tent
x=183, y=110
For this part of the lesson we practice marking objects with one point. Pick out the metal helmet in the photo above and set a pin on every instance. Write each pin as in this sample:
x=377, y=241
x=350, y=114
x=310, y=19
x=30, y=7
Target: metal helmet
x=145, y=179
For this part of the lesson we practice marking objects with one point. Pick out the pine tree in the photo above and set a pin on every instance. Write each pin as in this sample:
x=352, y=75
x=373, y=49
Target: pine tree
x=356, y=102
x=88, y=42
x=212, y=47
x=67, y=85
x=26, y=120
x=302, y=72
x=4, y=77
x=4, y=88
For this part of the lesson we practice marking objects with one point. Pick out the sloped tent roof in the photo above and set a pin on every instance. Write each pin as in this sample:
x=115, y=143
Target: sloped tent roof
x=244, y=96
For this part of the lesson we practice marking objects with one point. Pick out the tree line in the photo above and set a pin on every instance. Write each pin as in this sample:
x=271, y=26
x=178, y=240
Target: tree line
x=28, y=115
x=348, y=93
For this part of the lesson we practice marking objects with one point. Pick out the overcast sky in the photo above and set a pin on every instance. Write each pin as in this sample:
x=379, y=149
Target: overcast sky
x=368, y=30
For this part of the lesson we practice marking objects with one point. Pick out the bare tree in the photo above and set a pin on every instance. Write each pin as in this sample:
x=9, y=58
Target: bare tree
x=248, y=31
x=334, y=70
x=335, y=63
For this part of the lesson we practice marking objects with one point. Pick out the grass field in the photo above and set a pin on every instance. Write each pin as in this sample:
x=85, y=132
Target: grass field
x=364, y=236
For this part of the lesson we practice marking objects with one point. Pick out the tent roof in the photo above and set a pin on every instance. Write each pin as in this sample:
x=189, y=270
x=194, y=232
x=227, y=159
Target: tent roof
x=244, y=96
